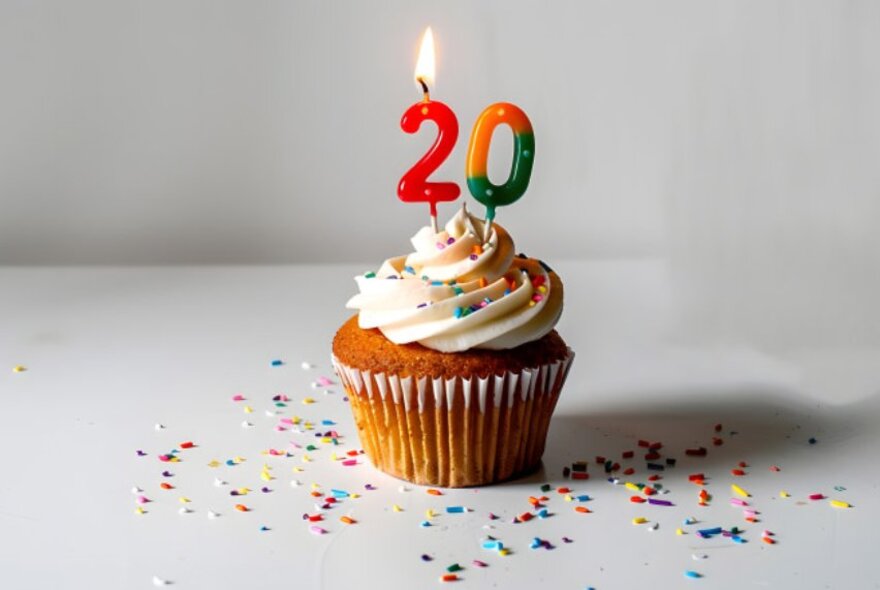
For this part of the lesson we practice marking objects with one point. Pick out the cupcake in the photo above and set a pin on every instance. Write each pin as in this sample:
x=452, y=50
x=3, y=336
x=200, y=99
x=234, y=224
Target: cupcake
x=452, y=364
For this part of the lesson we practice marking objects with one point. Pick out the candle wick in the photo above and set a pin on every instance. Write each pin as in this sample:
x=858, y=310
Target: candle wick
x=425, y=91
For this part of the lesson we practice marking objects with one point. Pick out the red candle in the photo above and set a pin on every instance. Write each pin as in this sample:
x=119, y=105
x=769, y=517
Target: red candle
x=414, y=187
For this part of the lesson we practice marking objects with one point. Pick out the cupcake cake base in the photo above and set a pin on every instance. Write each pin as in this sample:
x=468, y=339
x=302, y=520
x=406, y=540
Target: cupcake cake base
x=459, y=420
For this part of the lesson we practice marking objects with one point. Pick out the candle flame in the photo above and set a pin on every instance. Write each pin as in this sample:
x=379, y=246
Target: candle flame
x=425, y=66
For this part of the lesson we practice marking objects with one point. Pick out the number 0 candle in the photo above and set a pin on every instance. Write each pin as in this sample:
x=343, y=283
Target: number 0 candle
x=490, y=195
x=414, y=186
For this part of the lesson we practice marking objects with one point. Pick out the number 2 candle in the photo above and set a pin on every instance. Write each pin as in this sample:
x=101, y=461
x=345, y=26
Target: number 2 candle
x=414, y=186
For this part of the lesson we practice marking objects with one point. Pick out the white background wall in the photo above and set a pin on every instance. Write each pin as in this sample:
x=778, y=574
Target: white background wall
x=736, y=140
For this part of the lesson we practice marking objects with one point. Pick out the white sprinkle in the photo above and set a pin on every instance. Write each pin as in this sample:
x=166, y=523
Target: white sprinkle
x=270, y=413
x=654, y=526
x=184, y=510
x=295, y=483
x=212, y=515
x=136, y=490
x=157, y=581
x=246, y=424
x=159, y=427
x=307, y=365
x=219, y=482
x=698, y=557
x=403, y=489
x=314, y=385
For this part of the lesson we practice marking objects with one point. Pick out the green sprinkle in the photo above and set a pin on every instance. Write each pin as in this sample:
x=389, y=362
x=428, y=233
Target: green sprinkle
x=454, y=568
x=370, y=275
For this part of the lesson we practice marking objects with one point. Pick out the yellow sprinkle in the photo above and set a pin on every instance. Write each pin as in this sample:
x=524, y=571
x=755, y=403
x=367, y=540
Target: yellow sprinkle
x=266, y=476
x=784, y=494
x=397, y=508
x=248, y=410
x=139, y=510
x=429, y=513
x=309, y=400
x=214, y=463
x=243, y=491
x=315, y=486
x=639, y=520
x=239, y=459
x=296, y=419
x=184, y=500
x=679, y=531
x=631, y=486
x=333, y=457
x=738, y=490
x=504, y=552
x=19, y=369
x=306, y=459
x=531, y=304
x=267, y=467
x=568, y=498
x=355, y=496
x=298, y=470
x=326, y=439
x=840, y=504
x=542, y=289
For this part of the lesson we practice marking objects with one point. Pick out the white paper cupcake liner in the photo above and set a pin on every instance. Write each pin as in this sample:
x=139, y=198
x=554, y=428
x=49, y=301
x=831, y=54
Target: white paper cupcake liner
x=454, y=432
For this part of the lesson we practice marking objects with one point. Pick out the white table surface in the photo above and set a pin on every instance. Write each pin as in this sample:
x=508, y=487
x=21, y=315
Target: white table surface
x=112, y=352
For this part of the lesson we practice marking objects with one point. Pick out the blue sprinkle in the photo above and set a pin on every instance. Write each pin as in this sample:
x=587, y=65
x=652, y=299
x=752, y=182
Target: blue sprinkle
x=712, y=531
x=409, y=269
x=455, y=509
x=737, y=539
x=536, y=543
x=543, y=513
x=458, y=312
x=436, y=283
x=265, y=528
x=230, y=462
x=339, y=493
x=277, y=363
x=493, y=545
x=425, y=524
x=584, y=498
x=328, y=423
x=692, y=574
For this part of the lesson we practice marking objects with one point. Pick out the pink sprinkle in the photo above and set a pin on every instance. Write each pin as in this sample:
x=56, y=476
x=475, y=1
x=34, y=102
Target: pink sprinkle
x=767, y=533
x=817, y=496
x=479, y=563
x=749, y=513
x=238, y=397
x=325, y=381
x=142, y=499
x=738, y=502
x=279, y=428
x=316, y=530
x=440, y=246
x=774, y=468
x=349, y=462
x=492, y=516
x=287, y=421
x=165, y=458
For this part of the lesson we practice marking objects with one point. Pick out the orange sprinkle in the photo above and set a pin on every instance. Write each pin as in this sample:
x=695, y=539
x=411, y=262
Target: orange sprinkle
x=434, y=492
x=166, y=486
x=563, y=490
x=477, y=250
x=768, y=540
x=347, y=520
x=449, y=577
x=242, y=508
x=582, y=509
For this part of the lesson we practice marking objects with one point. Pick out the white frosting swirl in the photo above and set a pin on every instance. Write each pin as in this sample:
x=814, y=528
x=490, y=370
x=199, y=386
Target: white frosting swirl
x=455, y=292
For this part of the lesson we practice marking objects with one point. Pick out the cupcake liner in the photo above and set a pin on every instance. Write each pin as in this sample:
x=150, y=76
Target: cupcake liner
x=458, y=431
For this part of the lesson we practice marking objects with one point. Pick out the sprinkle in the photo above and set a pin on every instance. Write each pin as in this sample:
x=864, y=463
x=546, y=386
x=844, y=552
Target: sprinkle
x=396, y=508
x=692, y=574
x=639, y=520
x=816, y=496
x=277, y=363
x=679, y=531
x=504, y=552
x=425, y=523
x=238, y=397
x=784, y=494
x=157, y=581
x=242, y=508
x=768, y=540
x=657, y=502
x=582, y=509
x=19, y=369
x=479, y=563
x=316, y=530
x=812, y=440
x=434, y=492
x=426, y=557
x=454, y=568
x=709, y=532
x=212, y=515
x=455, y=509
x=347, y=520
x=448, y=578
x=738, y=502
x=739, y=491
x=370, y=275
x=248, y=410
x=840, y=504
